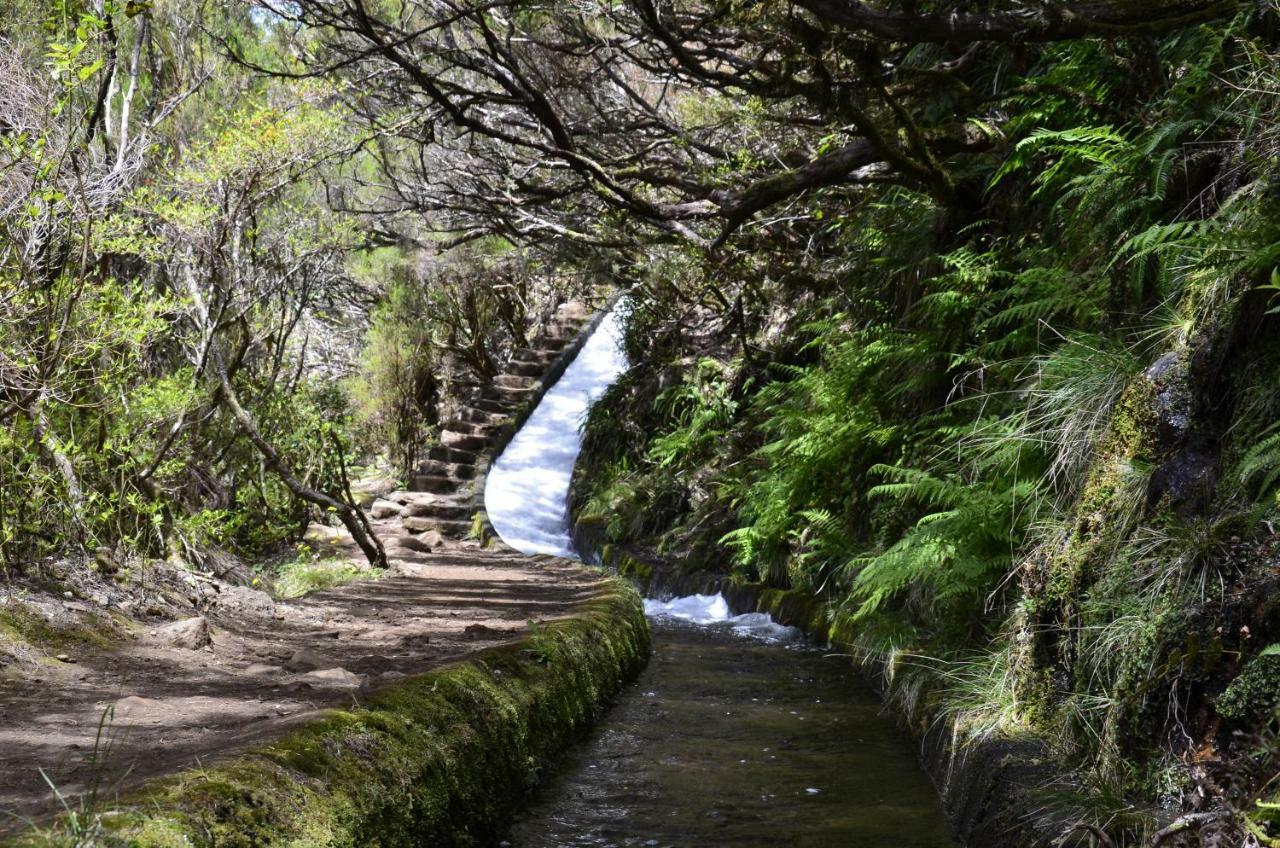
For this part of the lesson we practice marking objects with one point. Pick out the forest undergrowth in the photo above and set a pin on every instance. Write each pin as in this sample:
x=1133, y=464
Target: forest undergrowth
x=1028, y=454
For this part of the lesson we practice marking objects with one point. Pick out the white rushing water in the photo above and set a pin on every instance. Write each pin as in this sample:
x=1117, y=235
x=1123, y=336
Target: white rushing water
x=713, y=610
x=526, y=493
x=527, y=490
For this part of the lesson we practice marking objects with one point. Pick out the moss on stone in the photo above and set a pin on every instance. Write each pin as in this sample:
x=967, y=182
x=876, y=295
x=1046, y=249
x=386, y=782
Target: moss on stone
x=439, y=759
x=1255, y=692
x=22, y=625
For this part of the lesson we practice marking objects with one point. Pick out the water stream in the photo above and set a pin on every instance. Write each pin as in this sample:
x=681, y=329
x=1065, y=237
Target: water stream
x=738, y=733
x=527, y=488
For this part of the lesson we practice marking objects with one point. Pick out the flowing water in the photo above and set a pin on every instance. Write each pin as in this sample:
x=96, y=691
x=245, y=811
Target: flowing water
x=737, y=733
x=527, y=488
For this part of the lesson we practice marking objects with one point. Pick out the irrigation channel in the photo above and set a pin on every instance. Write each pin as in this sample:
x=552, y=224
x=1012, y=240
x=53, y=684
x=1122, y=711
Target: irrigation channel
x=738, y=733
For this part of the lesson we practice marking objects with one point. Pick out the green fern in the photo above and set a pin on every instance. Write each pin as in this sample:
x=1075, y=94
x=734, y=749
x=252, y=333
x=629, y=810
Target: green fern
x=1259, y=469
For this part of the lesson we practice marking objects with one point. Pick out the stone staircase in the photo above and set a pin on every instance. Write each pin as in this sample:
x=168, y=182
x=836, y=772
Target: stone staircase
x=443, y=494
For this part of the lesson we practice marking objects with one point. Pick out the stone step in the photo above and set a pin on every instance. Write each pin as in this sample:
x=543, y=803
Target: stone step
x=446, y=527
x=445, y=510
x=474, y=414
x=526, y=369
x=513, y=381
x=473, y=428
x=434, y=483
x=531, y=354
x=508, y=395
x=492, y=406
x=463, y=441
x=458, y=456
x=549, y=344
x=456, y=471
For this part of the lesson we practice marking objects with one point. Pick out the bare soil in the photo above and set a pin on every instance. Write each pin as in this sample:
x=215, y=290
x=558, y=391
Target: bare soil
x=115, y=711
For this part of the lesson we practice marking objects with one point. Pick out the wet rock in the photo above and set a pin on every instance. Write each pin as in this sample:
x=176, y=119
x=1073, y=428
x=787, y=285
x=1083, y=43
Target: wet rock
x=190, y=633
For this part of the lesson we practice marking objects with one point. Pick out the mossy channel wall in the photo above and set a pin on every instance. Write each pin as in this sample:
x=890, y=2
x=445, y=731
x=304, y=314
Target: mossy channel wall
x=440, y=759
x=992, y=791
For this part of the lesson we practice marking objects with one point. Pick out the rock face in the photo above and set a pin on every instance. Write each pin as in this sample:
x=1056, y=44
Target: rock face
x=419, y=524
x=190, y=633
x=367, y=491
x=320, y=534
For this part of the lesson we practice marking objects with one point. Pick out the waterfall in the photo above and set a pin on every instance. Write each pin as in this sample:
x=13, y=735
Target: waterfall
x=526, y=493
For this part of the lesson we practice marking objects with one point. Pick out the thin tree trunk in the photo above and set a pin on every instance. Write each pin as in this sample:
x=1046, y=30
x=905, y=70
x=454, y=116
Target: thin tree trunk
x=352, y=517
x=44, y=434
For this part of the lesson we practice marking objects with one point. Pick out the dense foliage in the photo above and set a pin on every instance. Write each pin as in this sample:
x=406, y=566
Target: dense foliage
x=960, y=315
x=199, y=332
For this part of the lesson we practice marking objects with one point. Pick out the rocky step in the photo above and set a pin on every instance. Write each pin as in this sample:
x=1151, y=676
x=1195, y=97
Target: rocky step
x=454, y=470
x=409, y=502
x=533, y=355
x=463, y=441
x=509, y=395
x=526, y=369
x=434, y=483
x=492, y=406
x=514, y=381
x=549, y=344
x=474, y=428
x=476, y=415
x=443, y=510
x=457, y=456
x=450, y=528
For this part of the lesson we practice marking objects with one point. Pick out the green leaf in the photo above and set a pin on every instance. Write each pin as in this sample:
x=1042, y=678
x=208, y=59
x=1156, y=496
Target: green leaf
x=89, y=70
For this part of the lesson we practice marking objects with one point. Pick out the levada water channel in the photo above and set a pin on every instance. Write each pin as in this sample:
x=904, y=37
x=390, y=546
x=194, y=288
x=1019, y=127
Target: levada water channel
x=738, y=733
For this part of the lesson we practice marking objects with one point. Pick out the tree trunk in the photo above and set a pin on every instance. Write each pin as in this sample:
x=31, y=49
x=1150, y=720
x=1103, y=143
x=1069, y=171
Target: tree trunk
x=352, y=517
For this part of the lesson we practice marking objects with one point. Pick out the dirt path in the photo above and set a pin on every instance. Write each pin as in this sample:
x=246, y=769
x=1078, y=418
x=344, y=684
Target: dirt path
x=271, y=665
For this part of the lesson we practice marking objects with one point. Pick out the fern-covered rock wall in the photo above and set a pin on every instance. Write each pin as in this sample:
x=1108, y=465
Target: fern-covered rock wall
x=1027, y=457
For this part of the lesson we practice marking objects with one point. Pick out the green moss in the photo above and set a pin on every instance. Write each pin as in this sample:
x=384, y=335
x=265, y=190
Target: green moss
x=440, y=759
x=303, y=576
x=21, y=625
x=1255, y=692
x=795, y=608
x=629, y=566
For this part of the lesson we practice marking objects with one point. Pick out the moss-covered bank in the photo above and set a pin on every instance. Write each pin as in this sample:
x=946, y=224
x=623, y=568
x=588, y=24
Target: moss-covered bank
x=440, y=759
